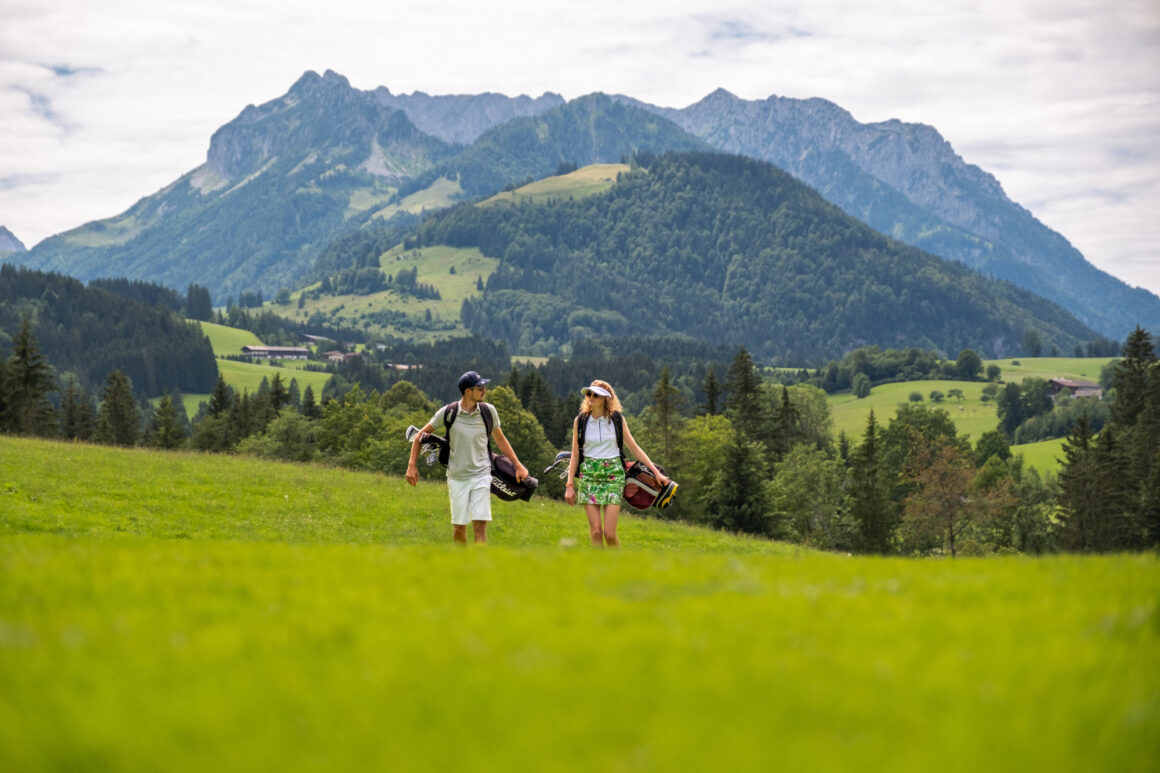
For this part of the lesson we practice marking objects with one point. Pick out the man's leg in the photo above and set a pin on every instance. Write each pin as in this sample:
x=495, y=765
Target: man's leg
x=479, y=508
x=459, y=493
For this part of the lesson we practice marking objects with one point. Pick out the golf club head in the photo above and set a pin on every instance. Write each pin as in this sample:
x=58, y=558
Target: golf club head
x=410, y=433
x=561, y=458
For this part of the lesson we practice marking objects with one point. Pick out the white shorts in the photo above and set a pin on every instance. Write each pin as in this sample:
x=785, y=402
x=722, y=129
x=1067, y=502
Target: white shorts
x=470, y=500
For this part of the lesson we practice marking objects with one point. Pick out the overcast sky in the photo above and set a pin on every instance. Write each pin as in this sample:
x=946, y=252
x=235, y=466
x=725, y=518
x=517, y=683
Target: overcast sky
x=102, y=103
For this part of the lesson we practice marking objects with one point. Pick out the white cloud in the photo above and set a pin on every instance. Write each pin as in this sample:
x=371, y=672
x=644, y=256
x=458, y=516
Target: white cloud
x=102, y=103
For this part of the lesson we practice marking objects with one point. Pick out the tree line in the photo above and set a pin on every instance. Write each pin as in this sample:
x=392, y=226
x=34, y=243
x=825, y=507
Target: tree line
x=88, y=332
x=755, y=456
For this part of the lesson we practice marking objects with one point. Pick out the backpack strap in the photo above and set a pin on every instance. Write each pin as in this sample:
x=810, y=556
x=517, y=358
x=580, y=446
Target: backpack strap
x=485, y=413
x=618, y=422
x=450, y=411
x=582, y=425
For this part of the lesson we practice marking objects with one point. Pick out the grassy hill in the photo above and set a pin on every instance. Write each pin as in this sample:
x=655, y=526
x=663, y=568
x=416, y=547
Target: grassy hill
x=374, y=312
x=247, y=376
x=586, y=181
x=435, y=263
x=182, y=612
x=971, y=415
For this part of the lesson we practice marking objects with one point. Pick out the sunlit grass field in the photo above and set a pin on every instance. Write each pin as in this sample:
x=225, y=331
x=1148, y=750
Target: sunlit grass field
x=1080, y=368
x=186, y=612
x=972, y=415
x=228, y=340
x=434, y=264
x=586, y=181
x=247, y=376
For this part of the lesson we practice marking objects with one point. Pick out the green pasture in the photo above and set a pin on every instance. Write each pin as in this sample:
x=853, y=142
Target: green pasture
x=1079, y=368
x=247, y=377
x=434, y=266
x=971, y=415
x=228, y=340
x=1044, y=456
x=439, y=195
x=586, y=181
x=186, y=612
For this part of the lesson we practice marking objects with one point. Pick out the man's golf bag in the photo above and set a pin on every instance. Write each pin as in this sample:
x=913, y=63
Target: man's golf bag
x=503, y=474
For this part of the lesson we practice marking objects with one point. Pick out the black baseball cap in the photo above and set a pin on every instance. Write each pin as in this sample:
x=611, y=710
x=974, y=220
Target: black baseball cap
x=471, y=379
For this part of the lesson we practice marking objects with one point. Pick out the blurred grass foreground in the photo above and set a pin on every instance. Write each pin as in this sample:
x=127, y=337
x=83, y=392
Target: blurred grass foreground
x=184, y=612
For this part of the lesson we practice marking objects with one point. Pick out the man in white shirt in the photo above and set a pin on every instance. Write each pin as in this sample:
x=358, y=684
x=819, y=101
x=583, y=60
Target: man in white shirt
x=469, y=462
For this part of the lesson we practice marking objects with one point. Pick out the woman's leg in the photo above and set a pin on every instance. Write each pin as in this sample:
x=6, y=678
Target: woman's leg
x=595, y=532
x=611, y=515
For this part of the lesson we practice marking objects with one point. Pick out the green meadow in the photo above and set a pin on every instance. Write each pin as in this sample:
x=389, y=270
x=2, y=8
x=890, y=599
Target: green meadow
x=228, y=340
x=247, y=376
x=453, y=271
x=972, y=415
x=1079, y=368
x=174, y=611
x=586, y=181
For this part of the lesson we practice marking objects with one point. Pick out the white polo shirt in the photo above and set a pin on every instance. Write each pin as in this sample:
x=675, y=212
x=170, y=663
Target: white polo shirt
x=469, y=446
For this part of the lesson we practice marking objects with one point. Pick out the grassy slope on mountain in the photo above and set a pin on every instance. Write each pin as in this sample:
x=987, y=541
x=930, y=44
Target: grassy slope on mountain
x=190, y=611
x=589, y=130
x=434, y=265
x=726, y=248
x=379, y=312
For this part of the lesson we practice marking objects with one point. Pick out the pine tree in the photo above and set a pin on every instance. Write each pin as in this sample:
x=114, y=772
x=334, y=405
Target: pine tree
x=310, y=408
x=869, y=489
x=738, y=499
x=788, y=432
x=165, y=430
x=118, y=418
x=746, y=406
x=221, y=400
x=1131, y=378
x=667, y=401
x=25, y=382
x=712, y=389
x=77, y=413
x=279, y=396
x=295, y=394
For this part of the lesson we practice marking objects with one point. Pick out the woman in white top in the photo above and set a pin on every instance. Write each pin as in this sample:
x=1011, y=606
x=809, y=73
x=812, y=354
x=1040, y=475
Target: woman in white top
x=600, y=467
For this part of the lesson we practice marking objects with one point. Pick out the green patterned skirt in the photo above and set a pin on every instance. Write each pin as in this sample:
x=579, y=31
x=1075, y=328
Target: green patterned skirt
x=601, y=482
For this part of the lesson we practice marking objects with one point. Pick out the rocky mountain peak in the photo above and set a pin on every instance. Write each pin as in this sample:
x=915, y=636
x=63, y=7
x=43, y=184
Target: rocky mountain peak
x=302, y=123
x=9, y=242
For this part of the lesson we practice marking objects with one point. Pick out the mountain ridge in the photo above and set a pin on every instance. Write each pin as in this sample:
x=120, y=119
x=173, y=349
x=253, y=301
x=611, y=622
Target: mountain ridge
x=311, y=178
x=933, y=198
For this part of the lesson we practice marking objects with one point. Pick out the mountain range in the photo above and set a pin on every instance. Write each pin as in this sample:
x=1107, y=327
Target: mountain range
x=284, y=179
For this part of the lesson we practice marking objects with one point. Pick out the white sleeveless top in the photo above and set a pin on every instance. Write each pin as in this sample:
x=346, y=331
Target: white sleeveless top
x=600, y=439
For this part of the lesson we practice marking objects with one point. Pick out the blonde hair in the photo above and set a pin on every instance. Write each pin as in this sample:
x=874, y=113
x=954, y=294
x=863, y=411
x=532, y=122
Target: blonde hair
x=611, y=403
